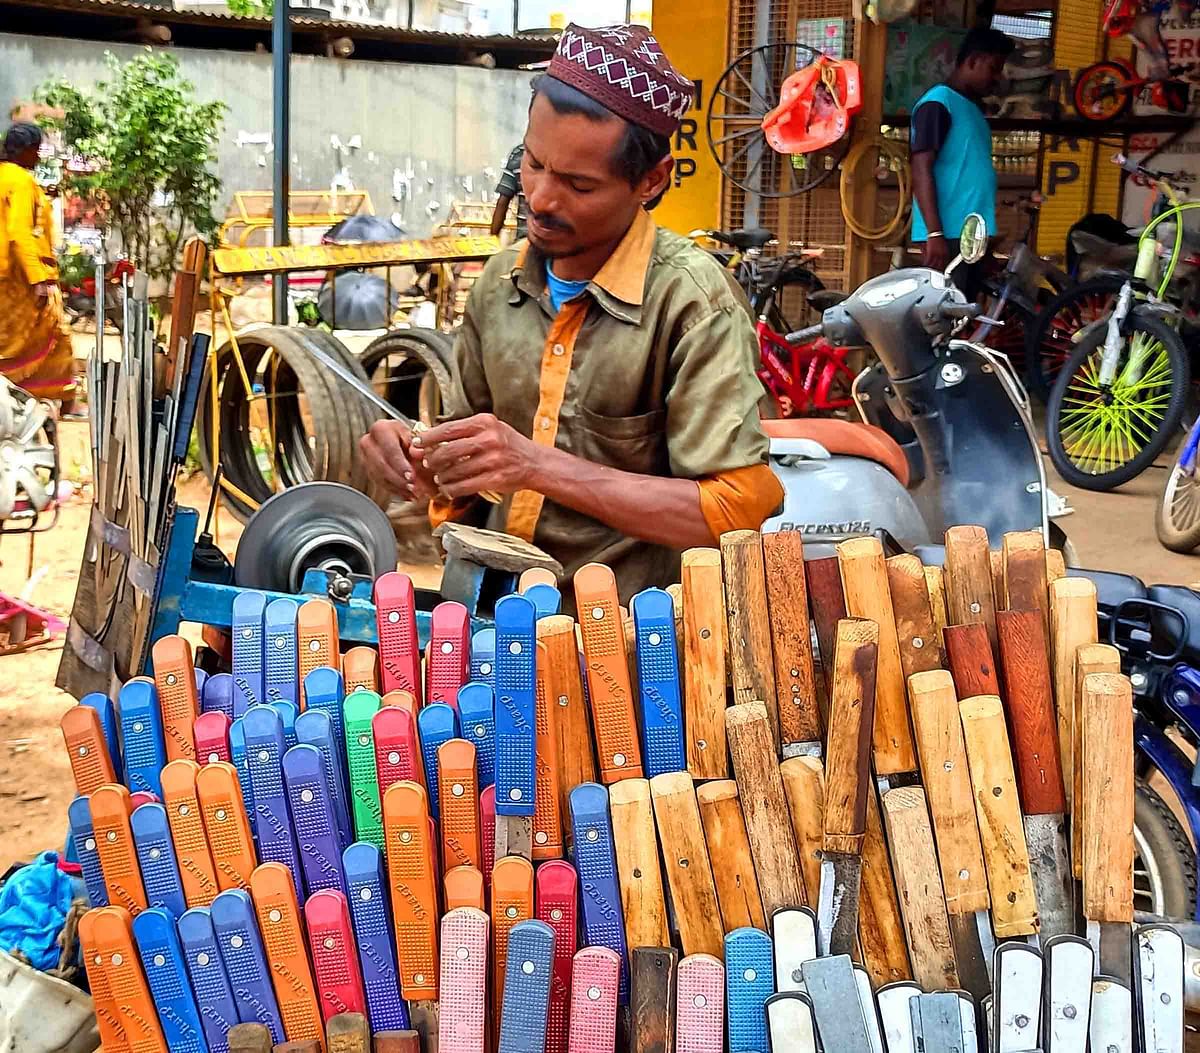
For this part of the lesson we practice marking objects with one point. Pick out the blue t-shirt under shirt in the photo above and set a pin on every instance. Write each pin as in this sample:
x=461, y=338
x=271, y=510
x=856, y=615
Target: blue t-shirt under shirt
x=561, y=291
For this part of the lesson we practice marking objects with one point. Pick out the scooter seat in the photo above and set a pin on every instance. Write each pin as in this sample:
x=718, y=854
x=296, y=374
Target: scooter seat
x=1187, y=602
x=844, y=437
x=1112, y=589
x=749, y=238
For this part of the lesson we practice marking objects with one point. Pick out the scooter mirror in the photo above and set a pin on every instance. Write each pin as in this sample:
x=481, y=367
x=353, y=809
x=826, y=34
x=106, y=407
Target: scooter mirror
x=972, y=242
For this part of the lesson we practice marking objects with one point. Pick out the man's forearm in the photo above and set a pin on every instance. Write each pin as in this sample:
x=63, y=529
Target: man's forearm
x=925, y=190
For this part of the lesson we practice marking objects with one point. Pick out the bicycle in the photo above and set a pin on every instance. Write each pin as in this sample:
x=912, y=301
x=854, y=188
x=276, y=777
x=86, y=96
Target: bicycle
x=808, y=378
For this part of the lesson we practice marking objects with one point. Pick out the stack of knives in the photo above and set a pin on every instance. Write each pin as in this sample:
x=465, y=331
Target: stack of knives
x=846, y=804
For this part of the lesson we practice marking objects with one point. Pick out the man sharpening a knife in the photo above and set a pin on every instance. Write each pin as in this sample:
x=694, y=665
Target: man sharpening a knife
x=604, y=376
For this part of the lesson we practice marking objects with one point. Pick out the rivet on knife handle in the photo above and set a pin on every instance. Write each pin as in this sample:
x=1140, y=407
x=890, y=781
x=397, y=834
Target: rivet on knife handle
x=749, y=982
x=971, y=660
x=636, y=844
x=462, y=1025
x=564, y=688
x=752, y=671
x=366, y=891
x=515, y=707
x=437, y=723
x=272, y=819
x=704, y=662
x=396, y=624
x=1017, y=1004
x=414, y=891
x=249, y=614
x=526, y=988
x=794, y=935
x=483, y=655
x=107, y=712
x=512, y=902
x=211, y=733
x=397, y=747
x=315, y=728
x=1159, y=963
x=700, y=1005
x=197, y=870
x=449, y=652
x=79, y=818
x=108, y=941
x=556, y=893
x=226, y=825
x=206, y=971
x=1069, y=967
x=316, y=639
x=919, y=639
x=791, y=642
x=476, y=713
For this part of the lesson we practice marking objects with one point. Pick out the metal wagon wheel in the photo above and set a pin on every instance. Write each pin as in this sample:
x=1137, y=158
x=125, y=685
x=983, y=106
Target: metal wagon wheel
x=745, y=93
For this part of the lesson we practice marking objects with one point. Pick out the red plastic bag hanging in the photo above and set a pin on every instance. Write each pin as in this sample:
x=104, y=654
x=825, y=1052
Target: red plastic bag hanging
x=815, y=106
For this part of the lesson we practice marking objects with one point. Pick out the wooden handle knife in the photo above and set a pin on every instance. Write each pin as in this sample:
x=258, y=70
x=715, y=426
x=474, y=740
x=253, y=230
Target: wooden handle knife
x=915, y=630
x=865, y=581
x=91, y=764
x=547, y=816
x=1072, y=624
x=463, y=981
x=935, y=586
x=449, y=659
x=556, y=894
x=971, y=660
x=558, y=655
x=317, y=643
x=700, y=1005
x=175, y=681
x=1089, y=658
x=828, y=601
x=335, y=963
x=396, y=1042
x=970, y=596
x=880, y=926
x=791, y=642
x=996, y=558
x=250, y=1038
x=704, y=674
x=349, y=1033
x=1056, y=566
x=459, y=795
x=804, y=787
x=396, y=625
x=226, y=825
x=114, y=843
x=1025, y=587
x=360, y=669
x=1108, y=849
x=728, y=844
x=636, y=845
x=512, y=902
x=652, y=999
x=595, y=975
x=414, y=889
x=750, y=659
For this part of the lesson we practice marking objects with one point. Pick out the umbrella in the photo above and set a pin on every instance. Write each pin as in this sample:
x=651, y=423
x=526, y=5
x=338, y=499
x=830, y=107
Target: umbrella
x=356, y=300
x=363, y=228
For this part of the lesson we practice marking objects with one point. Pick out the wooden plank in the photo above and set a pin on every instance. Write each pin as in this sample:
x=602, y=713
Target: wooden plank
x=791, y=637
x=918, y=637
x=760, y=787
x=968, y=578
x=750, y=658
x=728, y=844
x=703, y=651
x=936, y=587
x=970, y=658
x=685, y=856
x=1025, y=576
x=828, y=601
x=1072, y=624
x=636, y=845
x=880, y=926
x=1090, y=658
x=564, y=687
x=804, y=788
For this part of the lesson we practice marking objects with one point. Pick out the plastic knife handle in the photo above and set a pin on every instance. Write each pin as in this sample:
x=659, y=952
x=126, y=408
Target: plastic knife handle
x=1070, y=964
x=658, y=683
x=206, y=972
x=316, y=639
x=414, y=889
x=463, y=887
x=535, y=576
x=559, y=662
x=166, y=976
x=477, y=716
x=360, y=669
x=280, y=670
x=288, y=712
x=197, y=872
x=366, y=891
x=794, y=934
x=920, y=643
x=546, y=599
x=314, y=727
x=107, y=712
x=556, y=893
x=111, y=954
x=526, y=988
x=483, y=655
x=487, y=831
x=652, y=998
x=359, y=710
x=241, y=948
x=970, y=595
x=79, y=818
x=609, y=689
x=108, y=1021
x=547, y=816
x=264, y=755
x=247, y=631
x=323, y=691
x=156, y=858
x=211, y=734
x=1158, y=960
x=459, y=796
x=225, y=825
x=142, y=736
x=971, y=660
x=700, y=1005
x=91, y=763
x=397, y=747
x=114, y=844
x=237, y=757
x=396, y=625
x=436, y=723
x=515, y=706
x=335, y=963
x=704, y=653
x=462, y=1024
x=512, y=902
x=595, y=977
x=828, y=602
x=791, y=1023
x=175, y=681
x=595, y=860
x=217, y=695
x=749, y=982
x=449, y=652
x=314, y=820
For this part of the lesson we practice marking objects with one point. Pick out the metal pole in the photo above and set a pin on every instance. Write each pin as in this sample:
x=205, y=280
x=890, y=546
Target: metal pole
x=281, y=53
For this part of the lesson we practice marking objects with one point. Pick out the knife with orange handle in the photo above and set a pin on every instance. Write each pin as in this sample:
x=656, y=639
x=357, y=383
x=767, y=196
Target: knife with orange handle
x=1089, y=658
x=547, y=813
x=536, y=576
x=401, y=699
x=360, y=668
x=278, y=912
x=703, y=665
x=175, y=682
x=512, y=902
x=458, y=794
x=463, y=886
x=918, y=637
x=114, y=844
x=226, y=825
x=791, y=639
x=967, y=573
x=609, y=687
x=113, y=1038
x=971, y=660
x=558, y=659
x=487, y=832
x=751, y=669
x=636, y=846
x=1025, y=586
x=197, y=872
x=91, y=765
x=316, y=640
x=409, y=850
x=110, y=951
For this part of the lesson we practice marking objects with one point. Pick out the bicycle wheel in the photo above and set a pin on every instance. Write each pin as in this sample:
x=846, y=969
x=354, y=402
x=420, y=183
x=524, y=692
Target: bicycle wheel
x=1101, y=91
x=1177, y=518
x=785, y=301
x=1048, y=340
x=1102, y=435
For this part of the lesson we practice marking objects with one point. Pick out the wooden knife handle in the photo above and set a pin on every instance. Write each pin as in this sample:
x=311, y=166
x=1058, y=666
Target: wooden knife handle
x=1090, y=658
x=396, y=1042
x=970, y=657
x=1056, y=566
x=750, y=656
x=865, y=580
x=704, y=674
x=1024, y=553
x=728, y=844
x=636, y=846
x=920, y=650
x=880, y=925
x=1005, y=854
x=848, y=752
x=804, y=787
x=564, y=686
x=652, y=999
x=828, y=601
x=970, y=596
x=1031, y=711
x=935, y=585
x=791, y=637
x=1072, y=624
x=1108, y=847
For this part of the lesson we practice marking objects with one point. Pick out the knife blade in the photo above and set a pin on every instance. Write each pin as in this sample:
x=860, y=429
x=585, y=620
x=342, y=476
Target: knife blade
x=477, y=714
x=112, y=957
x=462, y=1027
x=727, y=842
x=652, y=998
x=175, y=682
x=197, y=872
x=314, y=728
x=396, y=626
x=608, y=680
x=545, y=597
x=636, y=845
x=264, y=756
x=512, y=902
x=366, y=892
x=749, y=982
x=335, y=965
x=804, y=787
x=358, y=710
x=87, y=750
x=1089, y=658
x=245, y=962
x=280, y=671
x=1017, y=1002
x=1025, y=586
x=700, y=1005
x=1030, y=708
x=659, y=689
x=595, y=977
x=704, y=673
x=851, y=717
x=317, y=644
x=144, y=754
x=437, y=723
x=79, y=818
x=1073, y=612
x=937, y=1022
x=211, y=735
x=313, y=821
x=1158, y=980
x=893, y=1001
x=556, y=893
x=527, y=988
x=970, y=594
x=794, y=935
x=1069, y=966
x=206, y=972
x=114, y=844
x=459, y=795
x=463, y=887
x=225, y=825
x=156, y=858
x=249, y=614
x=483, y=655
x=166, y=978
x=547, y=818
x=449, y=652
x=1111, y=1025
x=360, y=669
x=564, y=686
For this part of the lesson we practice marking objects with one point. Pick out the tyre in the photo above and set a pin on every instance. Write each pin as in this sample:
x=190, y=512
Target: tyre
x=785, y=301
x=1164, y=867
x=1177, y=518
x=1101, y=91
x=1100, y=436
x=1048, y=340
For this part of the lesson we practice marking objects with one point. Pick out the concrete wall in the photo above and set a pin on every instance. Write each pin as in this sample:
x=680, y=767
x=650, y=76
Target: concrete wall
x=429, y=134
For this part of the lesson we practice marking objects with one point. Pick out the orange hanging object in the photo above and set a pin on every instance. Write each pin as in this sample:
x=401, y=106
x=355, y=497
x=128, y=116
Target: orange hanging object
x=815, y=107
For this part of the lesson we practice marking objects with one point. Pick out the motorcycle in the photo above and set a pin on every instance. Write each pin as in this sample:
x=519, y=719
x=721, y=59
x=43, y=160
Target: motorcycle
x=79, y=301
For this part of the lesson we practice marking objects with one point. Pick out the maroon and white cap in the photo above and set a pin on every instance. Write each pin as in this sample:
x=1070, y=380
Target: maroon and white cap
x=624, y=69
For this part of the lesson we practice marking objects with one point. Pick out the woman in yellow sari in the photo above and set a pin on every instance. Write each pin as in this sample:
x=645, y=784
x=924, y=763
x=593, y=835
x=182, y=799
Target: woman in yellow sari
x=35, y=340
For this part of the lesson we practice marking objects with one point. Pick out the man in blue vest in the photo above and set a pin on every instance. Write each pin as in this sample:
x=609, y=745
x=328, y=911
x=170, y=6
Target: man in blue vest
x=951, y=147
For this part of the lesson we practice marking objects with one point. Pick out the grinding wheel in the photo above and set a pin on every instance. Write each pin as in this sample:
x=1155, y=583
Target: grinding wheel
x=323, y=526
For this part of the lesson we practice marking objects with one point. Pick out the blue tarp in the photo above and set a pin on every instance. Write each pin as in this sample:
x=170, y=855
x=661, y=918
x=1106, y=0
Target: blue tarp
x=33, y=906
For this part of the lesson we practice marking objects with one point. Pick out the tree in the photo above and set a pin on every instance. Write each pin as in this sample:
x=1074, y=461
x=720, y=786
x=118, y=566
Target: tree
x=150, y=148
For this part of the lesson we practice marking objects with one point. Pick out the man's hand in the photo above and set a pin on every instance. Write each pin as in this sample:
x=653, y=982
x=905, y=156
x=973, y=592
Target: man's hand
x=392, y=458
x=937, y=253
x=480, y=453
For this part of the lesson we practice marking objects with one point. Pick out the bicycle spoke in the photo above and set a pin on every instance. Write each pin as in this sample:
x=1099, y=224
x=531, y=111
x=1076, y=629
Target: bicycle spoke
x=755, y=129
x=753, y=90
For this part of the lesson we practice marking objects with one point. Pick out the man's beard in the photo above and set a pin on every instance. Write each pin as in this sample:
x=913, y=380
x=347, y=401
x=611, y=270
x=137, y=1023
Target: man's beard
x=554, y=224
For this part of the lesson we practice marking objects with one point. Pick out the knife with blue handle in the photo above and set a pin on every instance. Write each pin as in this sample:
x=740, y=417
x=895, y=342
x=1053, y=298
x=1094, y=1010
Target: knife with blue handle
x=476, y=713
x=288, y=712
x=264, y=758
x=218, y=695
x=166, y=975
x=201, y=677
x=483, y=655
x=79, y=816
x=658, y=683
x=237, y=757
x=596, y=862
x=246, y=630
x=311, y=806
x=515, y=715
x=142, y=736
x=546, y=599
x=245, y=962
x=436, y=723
x=281, y=671
x=749, y=982
x=526, y=988
x=365, y=891
x=156, y=858
x=107, y=713
x=315, y=728
x=214, y=996
x=324, y=690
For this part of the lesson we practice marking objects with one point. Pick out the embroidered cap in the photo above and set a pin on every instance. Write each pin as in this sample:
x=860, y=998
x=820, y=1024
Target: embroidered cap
x=624, y=69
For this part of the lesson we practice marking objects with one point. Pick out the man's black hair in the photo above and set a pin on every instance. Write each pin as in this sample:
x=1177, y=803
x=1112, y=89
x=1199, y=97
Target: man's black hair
x=640, y=149
x=985, y=42
x=21, y=136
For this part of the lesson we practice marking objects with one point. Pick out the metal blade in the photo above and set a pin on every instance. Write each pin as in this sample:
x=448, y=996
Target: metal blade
x=1111, y=1027
x=344, y=375
x=974, y=956
x=1050, y=867
x=893, y=1001
x=1113, y=943
x=833, y=990
x=1160, y=961
x=837, y=903
x=937, y=1023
